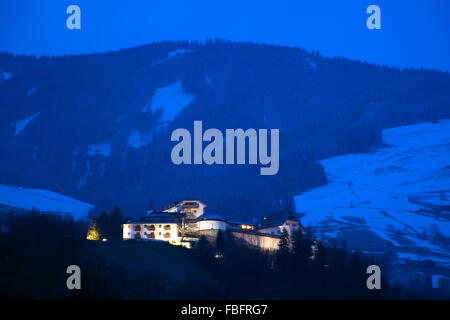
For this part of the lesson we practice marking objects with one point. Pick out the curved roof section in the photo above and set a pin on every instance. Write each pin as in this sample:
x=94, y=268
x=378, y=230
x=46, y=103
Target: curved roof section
x=212, y=217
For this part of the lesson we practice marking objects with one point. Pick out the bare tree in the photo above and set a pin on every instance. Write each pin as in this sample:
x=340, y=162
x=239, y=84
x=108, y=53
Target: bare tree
x=187, y=224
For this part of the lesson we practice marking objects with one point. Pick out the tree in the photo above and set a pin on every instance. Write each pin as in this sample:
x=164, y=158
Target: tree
x=203, y=245
x=302, y=263
x=220, y=245
x=205, y=252
x=186, y=224
x=284, y=252
x=302, y=247
x=103, y=224
x=428, y=287
x=321, y=256
x=116, y=220
x=93, y=232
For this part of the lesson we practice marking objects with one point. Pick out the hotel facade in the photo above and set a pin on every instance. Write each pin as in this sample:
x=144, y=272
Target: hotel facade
x=184, y=222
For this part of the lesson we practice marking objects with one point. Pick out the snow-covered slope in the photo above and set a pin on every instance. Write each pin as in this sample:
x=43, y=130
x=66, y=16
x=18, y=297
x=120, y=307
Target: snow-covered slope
x=42, y=200
x=395, y=199
x=21, y=124
x=172, y=100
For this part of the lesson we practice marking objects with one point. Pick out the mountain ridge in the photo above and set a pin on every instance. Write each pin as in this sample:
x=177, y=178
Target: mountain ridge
x=96, y=136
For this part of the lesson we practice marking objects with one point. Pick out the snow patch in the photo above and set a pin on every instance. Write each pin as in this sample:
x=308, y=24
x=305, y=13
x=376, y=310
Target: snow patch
x=173, y=54
x=32, y=91
x=171, y=100
x=21, y=124
x=118, y=119
x=42, y=200
x=84, y=178
x=311, y=63
x=94, y=149
x=137, y=139
x=435, y=280
x=4, y=76
x=103, y=149
x=170, y=55
x=207, y=79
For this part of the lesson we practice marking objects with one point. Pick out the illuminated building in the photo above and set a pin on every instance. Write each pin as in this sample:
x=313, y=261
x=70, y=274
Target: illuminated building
x=183, y=223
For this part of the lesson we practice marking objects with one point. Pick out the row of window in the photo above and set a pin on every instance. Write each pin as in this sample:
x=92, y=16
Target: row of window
x=151, y=227
x=294, y=224
x=150, y=235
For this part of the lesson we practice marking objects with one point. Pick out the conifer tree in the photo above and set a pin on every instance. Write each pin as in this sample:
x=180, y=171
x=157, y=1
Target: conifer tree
x=302, y=246
x=321, y=256
x=115, y=223
x=219, y=244
x=93, y=232
x=103, y=224
x=283, y=253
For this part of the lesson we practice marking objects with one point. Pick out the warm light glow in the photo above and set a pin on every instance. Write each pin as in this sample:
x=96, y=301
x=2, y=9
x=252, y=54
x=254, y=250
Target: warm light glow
x=174, y=243
x=93, y=233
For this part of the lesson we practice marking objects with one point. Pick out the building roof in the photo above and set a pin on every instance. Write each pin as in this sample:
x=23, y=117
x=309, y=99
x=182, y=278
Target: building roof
x=241, y=222
x=257, y=233
x=271, y=221
x=212, y=217
x=155, y=217
x=181, y=202
x=278, y=218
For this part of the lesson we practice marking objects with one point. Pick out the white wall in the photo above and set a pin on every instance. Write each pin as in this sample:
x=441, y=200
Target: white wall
x=260, y=241
x=290, y=225
x=272, y=230
x=212, y=224
x=129, y=233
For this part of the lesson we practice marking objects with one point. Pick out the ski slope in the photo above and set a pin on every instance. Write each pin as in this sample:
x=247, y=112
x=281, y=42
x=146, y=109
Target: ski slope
x=396, y=198
x=42, y=200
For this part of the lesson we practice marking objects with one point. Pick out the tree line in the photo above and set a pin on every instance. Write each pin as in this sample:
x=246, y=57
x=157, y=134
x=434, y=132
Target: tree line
x=36, y=248
x=302, y=268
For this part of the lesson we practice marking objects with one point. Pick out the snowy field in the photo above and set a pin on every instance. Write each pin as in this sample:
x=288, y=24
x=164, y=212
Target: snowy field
x=42, y=200
x=397, y=197
x=171, y=100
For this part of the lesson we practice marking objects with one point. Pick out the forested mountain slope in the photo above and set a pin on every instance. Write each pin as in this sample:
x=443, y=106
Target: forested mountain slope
x=97, y=127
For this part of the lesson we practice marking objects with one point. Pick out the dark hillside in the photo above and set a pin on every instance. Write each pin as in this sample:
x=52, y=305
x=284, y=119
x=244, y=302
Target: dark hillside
x=94, y=134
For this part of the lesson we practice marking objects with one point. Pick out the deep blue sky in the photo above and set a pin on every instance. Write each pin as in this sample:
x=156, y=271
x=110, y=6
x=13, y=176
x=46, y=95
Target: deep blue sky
x=414, y=33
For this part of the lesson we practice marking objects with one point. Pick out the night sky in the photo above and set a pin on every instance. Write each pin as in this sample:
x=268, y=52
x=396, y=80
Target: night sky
x=413, y=33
